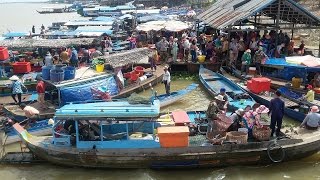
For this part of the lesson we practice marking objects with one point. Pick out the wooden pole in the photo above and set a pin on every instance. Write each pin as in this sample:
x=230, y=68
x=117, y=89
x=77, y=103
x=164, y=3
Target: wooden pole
x=292, y=31
x=277, y=21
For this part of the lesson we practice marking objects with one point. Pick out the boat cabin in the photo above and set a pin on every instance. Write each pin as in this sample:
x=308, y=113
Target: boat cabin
x=107, y=125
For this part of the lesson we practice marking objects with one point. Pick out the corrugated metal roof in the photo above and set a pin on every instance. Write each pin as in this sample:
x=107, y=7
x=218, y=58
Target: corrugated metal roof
x=228, y=12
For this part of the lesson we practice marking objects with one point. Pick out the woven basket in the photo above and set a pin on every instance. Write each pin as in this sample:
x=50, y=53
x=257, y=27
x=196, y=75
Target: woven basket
x=238, y=137
x=261, y=134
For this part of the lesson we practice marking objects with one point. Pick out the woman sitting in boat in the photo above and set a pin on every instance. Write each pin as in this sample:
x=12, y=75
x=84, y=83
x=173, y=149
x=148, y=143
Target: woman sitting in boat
x=237, y=118
x=252, y=117
x=312, y=120
x=310, y=94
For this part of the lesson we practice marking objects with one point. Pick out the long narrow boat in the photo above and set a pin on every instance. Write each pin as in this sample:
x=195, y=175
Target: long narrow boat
x=124, y=137
x=166, y=100
x=39, y=128
x=291, y=107
x=213, y=82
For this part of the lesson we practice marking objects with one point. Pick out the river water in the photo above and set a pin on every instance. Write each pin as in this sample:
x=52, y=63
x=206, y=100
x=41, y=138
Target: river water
x=21, y=17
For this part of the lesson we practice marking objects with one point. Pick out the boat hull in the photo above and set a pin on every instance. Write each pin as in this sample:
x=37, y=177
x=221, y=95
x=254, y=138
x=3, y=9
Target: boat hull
x=191, y=157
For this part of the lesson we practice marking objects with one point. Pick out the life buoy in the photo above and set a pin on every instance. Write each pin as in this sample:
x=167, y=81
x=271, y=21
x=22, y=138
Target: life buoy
x=273, y=146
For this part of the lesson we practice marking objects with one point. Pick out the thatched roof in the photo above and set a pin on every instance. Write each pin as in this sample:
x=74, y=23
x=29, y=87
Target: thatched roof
x=127, y=57
x=46, y=43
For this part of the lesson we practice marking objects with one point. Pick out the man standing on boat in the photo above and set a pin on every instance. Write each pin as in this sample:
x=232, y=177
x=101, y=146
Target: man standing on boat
x=166, y=80
x=41, y=92
x=277, y=111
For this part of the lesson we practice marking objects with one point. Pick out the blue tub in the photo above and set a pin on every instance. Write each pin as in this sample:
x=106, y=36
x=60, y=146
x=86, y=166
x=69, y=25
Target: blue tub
x=69, y=72
x=46, y=72
x=56, y=75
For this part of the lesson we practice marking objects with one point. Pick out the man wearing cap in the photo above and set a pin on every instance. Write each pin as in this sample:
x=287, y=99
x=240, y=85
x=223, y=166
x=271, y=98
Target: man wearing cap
x=310, y=94
x=276, y=110
x=225, y=98
x=215, y=107
x=312, y=120
x=166, y=80
x=259, y=58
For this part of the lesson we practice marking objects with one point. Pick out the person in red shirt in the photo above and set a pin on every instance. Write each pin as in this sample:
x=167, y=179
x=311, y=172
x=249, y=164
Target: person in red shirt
x=41, y=91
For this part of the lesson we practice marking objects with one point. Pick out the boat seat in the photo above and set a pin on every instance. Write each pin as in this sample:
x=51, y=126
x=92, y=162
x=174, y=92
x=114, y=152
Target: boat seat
x=180, y=118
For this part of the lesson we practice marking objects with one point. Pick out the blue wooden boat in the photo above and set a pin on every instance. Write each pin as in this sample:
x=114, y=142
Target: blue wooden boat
x=166, y=100
x=124, y=137
x=39, y=128
x=213, y=82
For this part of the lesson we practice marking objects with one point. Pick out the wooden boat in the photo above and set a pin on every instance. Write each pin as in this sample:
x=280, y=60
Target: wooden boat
x=38, y=128
x=53, y=10
x=213, y=82
x=119, y=145
x=166, y=100
x=87, y=76
x=296, y=97
x=291, y=107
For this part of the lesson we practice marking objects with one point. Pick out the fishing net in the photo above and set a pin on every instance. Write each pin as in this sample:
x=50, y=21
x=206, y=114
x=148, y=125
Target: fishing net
x=138, y=99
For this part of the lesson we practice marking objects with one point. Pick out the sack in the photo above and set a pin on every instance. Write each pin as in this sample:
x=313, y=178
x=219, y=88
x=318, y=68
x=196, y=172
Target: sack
x=261, y=134
x=222, y=123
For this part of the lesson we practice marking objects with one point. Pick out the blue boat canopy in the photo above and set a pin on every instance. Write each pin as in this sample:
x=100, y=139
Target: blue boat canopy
x=16, y=34
x=108, y=110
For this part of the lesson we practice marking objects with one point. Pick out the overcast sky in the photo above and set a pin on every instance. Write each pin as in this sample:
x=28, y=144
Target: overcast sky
x=4, y=1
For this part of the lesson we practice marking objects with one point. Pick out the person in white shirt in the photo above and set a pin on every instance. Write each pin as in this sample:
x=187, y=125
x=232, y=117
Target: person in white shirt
x=48, y=59
x=166, y=80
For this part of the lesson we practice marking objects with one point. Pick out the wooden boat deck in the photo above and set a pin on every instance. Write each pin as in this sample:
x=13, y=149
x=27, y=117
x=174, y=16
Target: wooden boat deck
x=141, y=86
x=15, y=110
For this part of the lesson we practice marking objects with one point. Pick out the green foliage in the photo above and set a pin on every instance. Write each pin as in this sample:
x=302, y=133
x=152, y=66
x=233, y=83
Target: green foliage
x=184, y=76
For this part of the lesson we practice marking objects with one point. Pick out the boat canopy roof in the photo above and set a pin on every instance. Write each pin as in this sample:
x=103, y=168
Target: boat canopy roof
x=89, y=23
x=105, y=110
x=16, y=34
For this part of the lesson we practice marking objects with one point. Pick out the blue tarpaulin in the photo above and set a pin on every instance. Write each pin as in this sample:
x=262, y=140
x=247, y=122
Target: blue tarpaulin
x=85, y=92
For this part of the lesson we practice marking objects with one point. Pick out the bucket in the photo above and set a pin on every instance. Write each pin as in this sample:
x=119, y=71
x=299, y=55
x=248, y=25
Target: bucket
x=252, y=70
x=4, y=54
x=69, y=72
x=56, y=75
x=296, y=82
x=201, y=58
x=46, y=72
x=142, y=78
x=100, y=67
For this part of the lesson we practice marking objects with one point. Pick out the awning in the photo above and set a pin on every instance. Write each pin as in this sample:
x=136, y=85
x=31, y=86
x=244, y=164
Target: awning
x=224, y=13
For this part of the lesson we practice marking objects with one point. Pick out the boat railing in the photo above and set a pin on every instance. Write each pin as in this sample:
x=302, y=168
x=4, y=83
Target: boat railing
x=62, y=139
